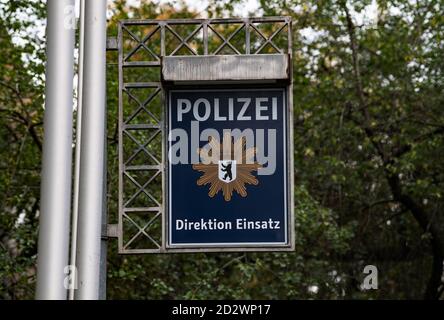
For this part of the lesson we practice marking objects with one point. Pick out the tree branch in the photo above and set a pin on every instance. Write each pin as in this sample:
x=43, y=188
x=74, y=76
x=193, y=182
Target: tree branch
x=427, y=225
x=30, y=126
x=358, y=83
x=407, y=147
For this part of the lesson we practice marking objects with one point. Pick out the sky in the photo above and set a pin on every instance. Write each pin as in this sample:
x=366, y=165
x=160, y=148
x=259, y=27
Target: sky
x=367, y=16
x=201, y=5
x=253, y=5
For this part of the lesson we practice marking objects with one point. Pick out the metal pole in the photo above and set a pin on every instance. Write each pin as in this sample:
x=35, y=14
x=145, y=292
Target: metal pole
x=104, y=238
x=55, y=203
x=92, y=176
x=75, y=205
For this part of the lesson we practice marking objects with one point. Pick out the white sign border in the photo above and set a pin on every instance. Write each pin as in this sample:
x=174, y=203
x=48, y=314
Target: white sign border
x=229, y=245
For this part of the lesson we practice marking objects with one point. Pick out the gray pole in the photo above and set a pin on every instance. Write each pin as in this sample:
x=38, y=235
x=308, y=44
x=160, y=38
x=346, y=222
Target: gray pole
x=75, y=202
x=55, y=201
x=92, y=152
x=104, y=238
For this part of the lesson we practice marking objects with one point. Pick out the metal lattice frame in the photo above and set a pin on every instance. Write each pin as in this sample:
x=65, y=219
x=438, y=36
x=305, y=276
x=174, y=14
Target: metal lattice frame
x=141, y=44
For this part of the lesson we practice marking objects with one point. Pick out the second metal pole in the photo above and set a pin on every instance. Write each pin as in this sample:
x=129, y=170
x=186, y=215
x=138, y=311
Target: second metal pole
x=91, y=186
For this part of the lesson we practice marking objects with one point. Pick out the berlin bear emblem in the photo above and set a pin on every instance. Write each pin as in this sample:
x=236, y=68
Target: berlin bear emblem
x=231, y=174
x=227, y=170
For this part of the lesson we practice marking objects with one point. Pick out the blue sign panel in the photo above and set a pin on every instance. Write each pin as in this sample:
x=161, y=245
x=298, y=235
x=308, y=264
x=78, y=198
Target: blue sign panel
x=228, y=168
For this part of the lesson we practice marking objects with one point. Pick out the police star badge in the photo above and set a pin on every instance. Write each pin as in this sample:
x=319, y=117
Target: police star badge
x=227, y=166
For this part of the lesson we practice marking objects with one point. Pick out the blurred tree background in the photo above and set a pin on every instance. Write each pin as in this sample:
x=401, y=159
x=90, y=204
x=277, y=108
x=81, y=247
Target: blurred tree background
x=369, y=143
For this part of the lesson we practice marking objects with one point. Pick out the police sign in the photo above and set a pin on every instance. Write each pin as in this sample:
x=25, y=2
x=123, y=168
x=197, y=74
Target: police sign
x=229, y=167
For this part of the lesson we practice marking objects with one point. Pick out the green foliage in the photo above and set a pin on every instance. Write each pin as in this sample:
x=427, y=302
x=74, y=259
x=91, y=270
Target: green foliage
x=366, y=116
x=21, y=114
